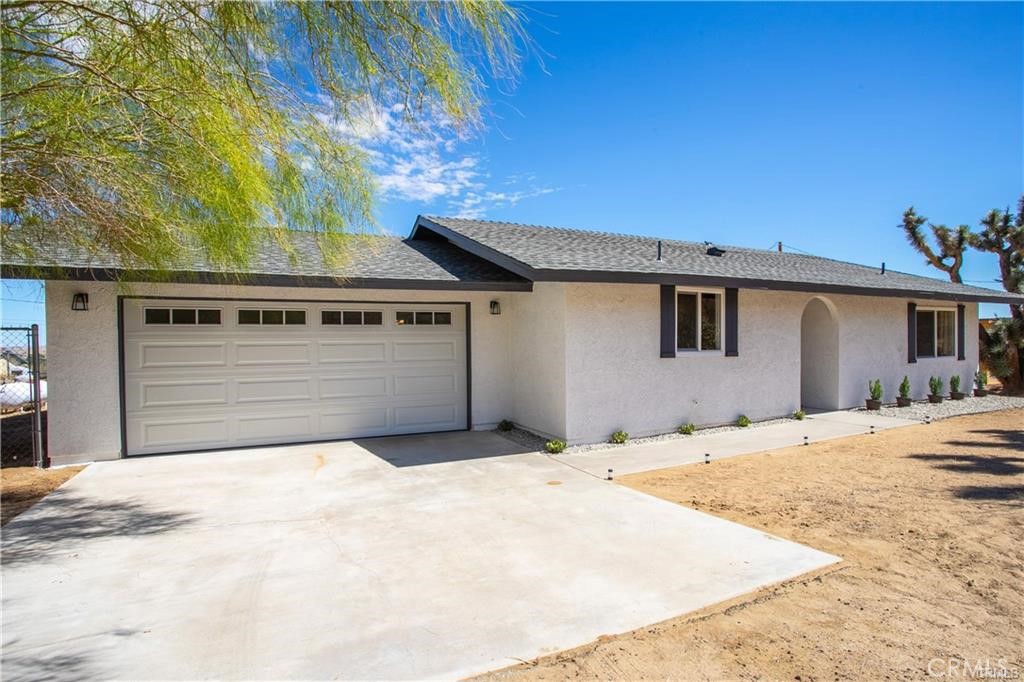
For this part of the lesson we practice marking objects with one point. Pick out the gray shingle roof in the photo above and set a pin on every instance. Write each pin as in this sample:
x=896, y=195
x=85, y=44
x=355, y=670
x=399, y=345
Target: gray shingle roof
x=371, y=261
x=556, y=254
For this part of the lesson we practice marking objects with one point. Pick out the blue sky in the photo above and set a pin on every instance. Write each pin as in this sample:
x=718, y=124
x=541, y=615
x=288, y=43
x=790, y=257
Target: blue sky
x=813, y=124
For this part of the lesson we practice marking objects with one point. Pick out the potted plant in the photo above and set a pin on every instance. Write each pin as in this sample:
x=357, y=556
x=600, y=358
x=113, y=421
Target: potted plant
x=954, y=388
x=875, y=391
x=980, y=382
x=904, y=398
x=935, y=384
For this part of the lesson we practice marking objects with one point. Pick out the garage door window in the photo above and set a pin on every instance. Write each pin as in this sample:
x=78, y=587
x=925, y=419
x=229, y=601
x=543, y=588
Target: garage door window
x=180, y=316
x=272, y=317
x=352, y=317
x=422, y=318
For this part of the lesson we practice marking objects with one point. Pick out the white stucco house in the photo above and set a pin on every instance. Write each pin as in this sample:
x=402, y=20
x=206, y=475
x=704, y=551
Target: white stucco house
x=567, y=333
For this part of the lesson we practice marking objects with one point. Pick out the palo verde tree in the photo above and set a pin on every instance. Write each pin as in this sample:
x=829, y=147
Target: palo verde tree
x=1002, y=233
x=149, y=129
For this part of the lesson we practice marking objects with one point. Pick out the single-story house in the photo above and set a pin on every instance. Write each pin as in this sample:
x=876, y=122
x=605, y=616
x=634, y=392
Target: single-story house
x=567, y=333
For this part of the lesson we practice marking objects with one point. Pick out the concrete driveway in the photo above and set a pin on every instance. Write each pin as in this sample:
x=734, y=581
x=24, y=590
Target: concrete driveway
x=395, y=558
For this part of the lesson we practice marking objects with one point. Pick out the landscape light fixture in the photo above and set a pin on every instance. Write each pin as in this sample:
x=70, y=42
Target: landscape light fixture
x=495, y=308
x=80, y=302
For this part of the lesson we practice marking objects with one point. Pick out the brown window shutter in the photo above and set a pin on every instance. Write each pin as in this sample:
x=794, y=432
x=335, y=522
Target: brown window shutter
x=961, y=335
x=911, y=333
x=668, y=321
x=732, y=323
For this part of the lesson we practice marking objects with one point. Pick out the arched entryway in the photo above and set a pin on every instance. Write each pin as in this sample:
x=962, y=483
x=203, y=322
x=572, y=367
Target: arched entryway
x=819, y=356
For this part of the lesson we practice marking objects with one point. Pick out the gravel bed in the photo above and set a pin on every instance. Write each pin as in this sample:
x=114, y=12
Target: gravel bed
x=535, y=442
x=920, y=409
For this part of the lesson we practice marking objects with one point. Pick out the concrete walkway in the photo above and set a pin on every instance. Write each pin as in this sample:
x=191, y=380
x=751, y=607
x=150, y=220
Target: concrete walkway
x=407, y=558
x=628, y=459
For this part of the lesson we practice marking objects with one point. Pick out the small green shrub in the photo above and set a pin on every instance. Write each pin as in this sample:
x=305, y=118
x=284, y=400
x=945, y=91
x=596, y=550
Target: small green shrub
x=505, y=425
x=743, y=420
x=905, y=387
x=981, y=380
x=935, y=384
x=620, y=437
x=875, y=389
x=554, y=446
x=799, y=414
x=954, y=383
x=687, y=429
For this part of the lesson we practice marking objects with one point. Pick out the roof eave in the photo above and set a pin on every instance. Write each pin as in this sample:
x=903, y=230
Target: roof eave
x=611, y=277
x=57, y=273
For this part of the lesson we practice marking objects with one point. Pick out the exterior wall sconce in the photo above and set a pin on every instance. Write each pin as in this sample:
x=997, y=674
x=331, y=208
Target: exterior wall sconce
x=495, y=308
x=80, y=302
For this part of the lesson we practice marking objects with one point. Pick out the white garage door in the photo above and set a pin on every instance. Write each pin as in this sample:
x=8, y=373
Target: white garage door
x=210, y=374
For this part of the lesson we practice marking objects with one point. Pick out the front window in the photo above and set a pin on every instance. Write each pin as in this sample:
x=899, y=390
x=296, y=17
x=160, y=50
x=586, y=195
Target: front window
x=936, y=333
x=698, y=320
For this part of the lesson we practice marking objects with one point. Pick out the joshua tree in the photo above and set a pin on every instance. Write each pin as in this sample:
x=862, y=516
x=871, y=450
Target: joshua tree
x=950, y=257
x=1001, y=347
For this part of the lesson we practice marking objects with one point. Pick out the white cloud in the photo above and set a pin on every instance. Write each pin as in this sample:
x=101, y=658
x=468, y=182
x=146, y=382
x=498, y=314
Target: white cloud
x=420, y=162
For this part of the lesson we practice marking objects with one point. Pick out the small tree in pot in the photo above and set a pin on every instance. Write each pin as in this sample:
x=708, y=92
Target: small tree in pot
x=904, y=398
x=935, y=384
x=875, y=391
x=954, y=388
x=980, y=383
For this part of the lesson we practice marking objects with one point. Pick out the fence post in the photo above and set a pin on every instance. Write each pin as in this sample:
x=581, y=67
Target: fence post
x=38, y=454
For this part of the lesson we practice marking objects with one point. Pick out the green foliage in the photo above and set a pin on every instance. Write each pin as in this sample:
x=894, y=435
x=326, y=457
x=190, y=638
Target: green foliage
x=687, y=429
x=799, y=415
x=554, y=446
x=619, y=437
x=905, y=387
x=954, y=383
x=875, y=389
x=144, y=132
x=935, y=384
x=505, y=425
x=743, y=420
x=981, y=379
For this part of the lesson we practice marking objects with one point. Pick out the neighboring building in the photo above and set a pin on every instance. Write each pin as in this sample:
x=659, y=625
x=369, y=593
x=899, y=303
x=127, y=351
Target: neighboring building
x=567, y=333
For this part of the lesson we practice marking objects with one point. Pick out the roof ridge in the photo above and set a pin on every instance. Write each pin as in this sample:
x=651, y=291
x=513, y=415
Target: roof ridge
x=598, y=232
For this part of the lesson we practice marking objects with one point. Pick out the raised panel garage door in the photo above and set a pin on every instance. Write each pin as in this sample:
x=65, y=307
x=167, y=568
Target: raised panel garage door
x=202, y=375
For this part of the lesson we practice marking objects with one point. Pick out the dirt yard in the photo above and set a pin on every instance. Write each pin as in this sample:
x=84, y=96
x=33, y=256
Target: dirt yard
x=21, y=487
x=930, y=522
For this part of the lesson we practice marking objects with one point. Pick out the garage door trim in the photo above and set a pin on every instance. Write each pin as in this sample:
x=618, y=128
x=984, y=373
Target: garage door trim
x=319, y=301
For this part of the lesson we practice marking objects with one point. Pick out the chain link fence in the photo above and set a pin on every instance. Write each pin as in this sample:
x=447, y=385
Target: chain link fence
x=22, y=398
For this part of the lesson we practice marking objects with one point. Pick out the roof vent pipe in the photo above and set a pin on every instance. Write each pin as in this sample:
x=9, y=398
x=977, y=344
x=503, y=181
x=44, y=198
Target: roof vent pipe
x=883, y=267
x=659, y=249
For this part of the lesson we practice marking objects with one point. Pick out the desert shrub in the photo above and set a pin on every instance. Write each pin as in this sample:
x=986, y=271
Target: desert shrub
x=875, y=389
x=799, y=414
x=505, y=425
x=687, y=429
x=554, y=446
x=981, y=380
x=935, y=384
x=620, y=437
x=905, y=387
x=743, y=420
x=954, y=383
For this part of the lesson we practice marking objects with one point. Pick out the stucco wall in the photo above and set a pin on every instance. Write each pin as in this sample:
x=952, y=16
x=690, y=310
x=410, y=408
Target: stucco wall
x=538, y=359
x=873, y=345
x=616, y=379
x=567, y=360
x=82, y=355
